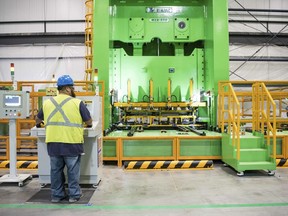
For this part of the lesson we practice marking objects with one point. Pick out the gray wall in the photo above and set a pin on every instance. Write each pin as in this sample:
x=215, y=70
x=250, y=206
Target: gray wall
x=41, y=10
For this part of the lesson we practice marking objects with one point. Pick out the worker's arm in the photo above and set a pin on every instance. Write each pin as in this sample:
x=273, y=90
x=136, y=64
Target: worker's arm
x=89, y=123
x=85, y=114
x=39, y=119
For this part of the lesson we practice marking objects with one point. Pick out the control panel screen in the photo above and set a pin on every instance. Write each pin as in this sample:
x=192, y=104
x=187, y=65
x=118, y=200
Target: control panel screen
x=12, y=100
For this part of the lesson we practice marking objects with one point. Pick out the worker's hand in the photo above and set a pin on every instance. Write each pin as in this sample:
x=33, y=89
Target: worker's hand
x=39, y=125
x=88, y=126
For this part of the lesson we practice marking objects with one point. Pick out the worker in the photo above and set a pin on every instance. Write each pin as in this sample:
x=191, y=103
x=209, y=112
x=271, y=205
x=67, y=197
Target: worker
x=63, y=117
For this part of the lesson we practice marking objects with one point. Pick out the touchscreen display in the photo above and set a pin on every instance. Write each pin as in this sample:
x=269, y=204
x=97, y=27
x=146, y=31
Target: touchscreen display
x=12, y=100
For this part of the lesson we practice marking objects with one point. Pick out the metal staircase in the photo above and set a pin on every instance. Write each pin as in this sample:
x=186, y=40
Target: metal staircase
x=248, y=151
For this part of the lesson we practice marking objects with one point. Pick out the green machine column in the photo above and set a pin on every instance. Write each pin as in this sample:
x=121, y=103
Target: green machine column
x=101, y=49
x=216, y=48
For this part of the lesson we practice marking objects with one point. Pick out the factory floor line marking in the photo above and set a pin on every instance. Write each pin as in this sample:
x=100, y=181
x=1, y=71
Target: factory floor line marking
x=91, y=206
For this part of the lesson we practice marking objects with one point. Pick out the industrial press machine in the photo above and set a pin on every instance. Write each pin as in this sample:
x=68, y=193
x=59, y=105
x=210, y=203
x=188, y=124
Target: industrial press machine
x=167, y=96
x=161, y=62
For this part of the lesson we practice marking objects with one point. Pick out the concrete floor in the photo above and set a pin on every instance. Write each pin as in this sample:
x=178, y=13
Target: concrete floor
x=176, y=192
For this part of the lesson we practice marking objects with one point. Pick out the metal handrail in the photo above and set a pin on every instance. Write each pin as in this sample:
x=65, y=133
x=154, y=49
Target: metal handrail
x=263, y=106
x=231, y=115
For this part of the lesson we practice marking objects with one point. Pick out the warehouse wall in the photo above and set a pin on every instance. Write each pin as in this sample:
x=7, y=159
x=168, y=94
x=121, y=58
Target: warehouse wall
x=41, y=61
x=258, y=70
x=272, y=24
x=42, y=10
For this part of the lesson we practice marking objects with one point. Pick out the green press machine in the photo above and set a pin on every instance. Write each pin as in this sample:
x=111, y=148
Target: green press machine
x=161, y=62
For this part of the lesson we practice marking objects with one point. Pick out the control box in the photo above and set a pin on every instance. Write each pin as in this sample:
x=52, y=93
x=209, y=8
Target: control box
x=14, y=105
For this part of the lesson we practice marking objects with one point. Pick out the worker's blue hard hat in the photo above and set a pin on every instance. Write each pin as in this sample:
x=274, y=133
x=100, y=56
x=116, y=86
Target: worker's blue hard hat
x=65, y=80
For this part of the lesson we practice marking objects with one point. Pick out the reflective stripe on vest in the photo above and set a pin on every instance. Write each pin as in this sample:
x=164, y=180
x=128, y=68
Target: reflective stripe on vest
x=58, y=108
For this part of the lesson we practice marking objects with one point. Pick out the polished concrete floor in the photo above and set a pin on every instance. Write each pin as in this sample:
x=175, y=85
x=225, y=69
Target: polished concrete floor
x=218, y=191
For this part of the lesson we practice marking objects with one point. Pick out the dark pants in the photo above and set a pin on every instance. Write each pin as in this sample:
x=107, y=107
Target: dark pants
x=57, y=164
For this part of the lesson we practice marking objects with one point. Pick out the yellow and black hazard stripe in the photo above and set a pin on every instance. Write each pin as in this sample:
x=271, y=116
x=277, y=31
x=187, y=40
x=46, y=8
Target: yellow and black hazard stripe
x=191, y=164
x=27, y=164
x=20, y=164
x=4, y=164
x=282, y=162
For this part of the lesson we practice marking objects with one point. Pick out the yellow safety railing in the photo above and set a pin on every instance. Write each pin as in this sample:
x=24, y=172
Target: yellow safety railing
x=264, y=109
x=278, y=91
x=229, y=113
x=23, y=126
x=89, y=39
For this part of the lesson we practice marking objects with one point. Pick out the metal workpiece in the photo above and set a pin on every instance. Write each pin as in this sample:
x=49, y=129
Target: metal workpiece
x=151, y=114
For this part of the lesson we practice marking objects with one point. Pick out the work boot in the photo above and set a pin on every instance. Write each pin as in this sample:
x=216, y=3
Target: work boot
x=73, y=200
x=57, y=200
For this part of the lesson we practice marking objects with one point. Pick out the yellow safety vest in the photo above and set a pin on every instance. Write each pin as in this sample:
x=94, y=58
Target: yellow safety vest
x=63, y=121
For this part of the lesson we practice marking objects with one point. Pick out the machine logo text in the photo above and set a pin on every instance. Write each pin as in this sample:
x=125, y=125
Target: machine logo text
x=159, y=10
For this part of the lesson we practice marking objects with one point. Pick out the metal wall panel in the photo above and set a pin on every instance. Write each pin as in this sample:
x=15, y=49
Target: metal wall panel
x=21, y=28
x=30, y=11
x=20, y=10
x=41, y=62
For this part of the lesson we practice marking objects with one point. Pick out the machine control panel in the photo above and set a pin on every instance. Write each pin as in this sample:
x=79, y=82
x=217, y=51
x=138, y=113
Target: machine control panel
x=14, y=104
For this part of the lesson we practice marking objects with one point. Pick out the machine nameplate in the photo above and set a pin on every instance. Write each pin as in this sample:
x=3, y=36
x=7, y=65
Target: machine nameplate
x=159, y=20
x=159, y=10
